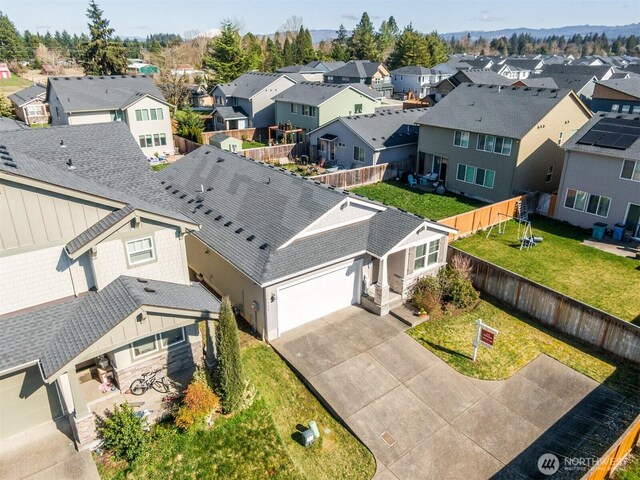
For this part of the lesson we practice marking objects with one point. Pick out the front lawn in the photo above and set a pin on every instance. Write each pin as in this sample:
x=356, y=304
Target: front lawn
x=14, y=84
x=259, y=442
x=425, y=204
x=252, y=144
x=520, y=340
x=604, y=280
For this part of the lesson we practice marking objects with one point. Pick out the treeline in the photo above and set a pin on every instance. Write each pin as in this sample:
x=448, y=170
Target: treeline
x=524, y=44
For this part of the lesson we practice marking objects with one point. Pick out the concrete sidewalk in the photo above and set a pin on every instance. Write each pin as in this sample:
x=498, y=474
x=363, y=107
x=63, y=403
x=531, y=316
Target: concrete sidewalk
x=422, y=419
x=44, y=453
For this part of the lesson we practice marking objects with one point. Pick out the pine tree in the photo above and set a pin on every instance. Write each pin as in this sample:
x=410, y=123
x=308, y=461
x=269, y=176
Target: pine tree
x=363, y=41
x=438, y=49
x=253, y=52
x=288, y=53
x=225, y=55
x=411, y=49
x=12, y=45
x=229, y=373
x=386, y=38
x=190, y=125
x=272, y=56
x=303, y=47
x=339, y=46
x=102, y=54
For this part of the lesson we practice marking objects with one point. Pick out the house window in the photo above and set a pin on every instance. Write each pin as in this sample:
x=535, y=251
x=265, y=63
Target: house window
x=358, y=154
x=477, y=176
x=156, y=114
x=486, y=143
x=615, y=107
x=490, y=143
x=598, y=205
x=549, y=176
x=172, y=337
x=117, y=115
x=560, y=138
x=461, y=139
x=145, y=141
x=159, y=139
x=426, y=255
x=630, y=170
x=575, y=199
x=294, y=108
x=234, y=101
x=357, y=108
x=308, y=111
x=625, y=109
x=144, y=346
x=503, y=146
x=142, y=115
x=140, y=251
x=36, y=110
x=57, y=112
x=345, y=79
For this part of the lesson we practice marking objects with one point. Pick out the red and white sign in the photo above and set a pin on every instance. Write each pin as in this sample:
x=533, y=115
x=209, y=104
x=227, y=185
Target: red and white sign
x=485, y=335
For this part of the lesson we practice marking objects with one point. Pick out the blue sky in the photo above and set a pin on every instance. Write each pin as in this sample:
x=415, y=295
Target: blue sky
x=141, y=17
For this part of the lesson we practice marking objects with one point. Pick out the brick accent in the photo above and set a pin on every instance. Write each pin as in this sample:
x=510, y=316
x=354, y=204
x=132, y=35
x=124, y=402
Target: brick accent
x=169, y=360
x=381, y=295
x=84, y=430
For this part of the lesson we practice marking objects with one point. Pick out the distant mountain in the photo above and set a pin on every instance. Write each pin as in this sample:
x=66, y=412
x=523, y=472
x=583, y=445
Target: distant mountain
x=611, y=31
x=318, y=35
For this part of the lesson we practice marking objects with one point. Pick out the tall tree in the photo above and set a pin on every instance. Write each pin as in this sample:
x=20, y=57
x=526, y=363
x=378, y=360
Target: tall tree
x=438, y=49
x=340, y=45
x=253, y=52
x=102, y=54
x=386, y=38
x=12, y=45
x=288, y=53
x=272, y=56
x=363, y=40
x=190, y=125
x=411, y=49
x=303, y=47
x=229, y=371
x=225, y=55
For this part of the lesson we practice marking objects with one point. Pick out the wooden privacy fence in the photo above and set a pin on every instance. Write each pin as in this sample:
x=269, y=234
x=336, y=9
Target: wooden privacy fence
x=610, y=460
x=484, y=217
x=276, y=152
x=364, y=175
x=556, y=310
x=248, y=133
x=184, y=146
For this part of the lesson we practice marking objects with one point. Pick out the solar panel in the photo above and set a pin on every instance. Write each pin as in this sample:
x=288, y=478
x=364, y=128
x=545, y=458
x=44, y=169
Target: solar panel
x=591, y=137
x=608, y=140
x=625, y=141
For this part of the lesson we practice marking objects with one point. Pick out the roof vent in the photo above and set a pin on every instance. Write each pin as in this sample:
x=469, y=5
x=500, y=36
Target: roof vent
x=229, y=223
x=264, y=246
x=142, y=280
x=250, y=238
x=62, y=145
x=198, y=206
x=218, y=218
x=220, y=160
x=190, y=200
x=207, y=152
x=239, y=230
x=149, y=290
x=209, y=189
x=207, y=212
x=11, y=164
x=70, y=165
x=175, y=191
x=184, y=195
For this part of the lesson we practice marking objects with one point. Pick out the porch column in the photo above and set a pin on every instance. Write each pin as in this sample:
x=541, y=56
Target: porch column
x=79, y=405
x=210, y=335
x=381, y=296
x=83, y=422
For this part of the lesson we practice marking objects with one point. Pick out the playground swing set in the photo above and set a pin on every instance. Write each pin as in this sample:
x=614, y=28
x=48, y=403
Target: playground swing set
x=525, y=234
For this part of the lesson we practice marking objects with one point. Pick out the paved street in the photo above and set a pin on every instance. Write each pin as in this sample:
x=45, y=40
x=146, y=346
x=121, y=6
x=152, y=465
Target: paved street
x=422, y=419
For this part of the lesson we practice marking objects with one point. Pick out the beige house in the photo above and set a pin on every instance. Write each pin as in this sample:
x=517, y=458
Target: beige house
x=134, y=100
x=492, y=142
x=30, y=106
x=95, y=282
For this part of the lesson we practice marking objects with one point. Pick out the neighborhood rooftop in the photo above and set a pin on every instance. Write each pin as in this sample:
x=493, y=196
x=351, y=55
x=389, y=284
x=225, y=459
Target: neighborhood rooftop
x=356, y=69
x=56, y=333
x=629, y=86
x=250, y=83
x=315, y=93
x=419, y=70
x=28, y=94
x=609, y=134
x=81, y=94
x=495, y=110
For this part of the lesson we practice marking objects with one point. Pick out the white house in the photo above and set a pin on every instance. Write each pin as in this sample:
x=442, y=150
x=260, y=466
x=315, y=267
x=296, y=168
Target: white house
x=419, y=80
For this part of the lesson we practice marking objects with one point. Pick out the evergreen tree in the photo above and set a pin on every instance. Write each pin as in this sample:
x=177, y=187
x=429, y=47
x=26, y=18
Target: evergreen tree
x=288, y=53
x=229, y=371
x=253, y=52
x=438, y=49
x=190, y=125
x=272, y=56
x=303, y=47
x=102, y=54
x=31, y=43
x=411, y=49
x=225, y=55
x=12, y=45
x=363, y=40
x=386, y=38
x=339, y=46
x=6, y=110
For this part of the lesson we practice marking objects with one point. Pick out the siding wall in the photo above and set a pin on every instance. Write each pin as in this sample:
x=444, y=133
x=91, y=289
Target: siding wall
x=150, y=127
x=262, y=110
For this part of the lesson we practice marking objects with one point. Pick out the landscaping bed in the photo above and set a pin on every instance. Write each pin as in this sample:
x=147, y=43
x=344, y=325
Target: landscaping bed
x=561, y=262
x=414, y=200
x=259, y=442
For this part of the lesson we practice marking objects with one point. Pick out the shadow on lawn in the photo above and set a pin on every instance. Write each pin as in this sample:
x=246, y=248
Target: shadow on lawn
x=448, y=351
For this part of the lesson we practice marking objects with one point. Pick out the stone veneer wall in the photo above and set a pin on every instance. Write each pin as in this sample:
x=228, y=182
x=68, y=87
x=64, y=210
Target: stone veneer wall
x=84, y=431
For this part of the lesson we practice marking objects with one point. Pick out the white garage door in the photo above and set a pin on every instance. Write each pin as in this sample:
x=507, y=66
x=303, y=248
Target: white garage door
x=319, y=296
x=26, y=402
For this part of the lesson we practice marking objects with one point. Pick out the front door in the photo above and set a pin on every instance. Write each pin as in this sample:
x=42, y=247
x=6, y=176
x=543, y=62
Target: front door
x=632, y=222
x=440, y=167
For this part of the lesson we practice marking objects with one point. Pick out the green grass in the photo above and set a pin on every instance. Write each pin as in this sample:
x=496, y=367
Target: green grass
x=630, y=470
x=13, y=84
x=252, y=144
x=259, y=442
x=425, y=204
x=603, y=280
x=519, y=341
x=157, y=168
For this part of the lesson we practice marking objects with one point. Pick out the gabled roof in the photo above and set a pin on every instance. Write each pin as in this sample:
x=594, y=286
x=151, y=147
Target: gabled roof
x=330, y=65
x=572, y=70
x=485, y=76
x=10, y=124
x=631, y=124
x=315, y=93
x=249, y=84
x=83, y=94
x=490, y=109
x=298, y=69
x=628, y=86
x=230, y=113
x=250, y=212
x=383, y=129
x=522, y=63
x=55, y=334
x=29, y=94
x=107, y=163
x=539, y=82
x=419, y=70
x=574, y=82
x=356, y=69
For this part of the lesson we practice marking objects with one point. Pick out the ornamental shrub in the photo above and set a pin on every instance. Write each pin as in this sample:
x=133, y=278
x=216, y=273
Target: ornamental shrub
x=427, y=294
x=229, y=377
x=123, y=433
x=198, y=402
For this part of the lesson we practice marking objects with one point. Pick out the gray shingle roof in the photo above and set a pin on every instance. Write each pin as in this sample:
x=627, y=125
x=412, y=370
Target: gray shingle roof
x=98, y=228
x=28, y=94
x=540, y=82
x=384, y=129
x=315, y=94
x=485, y=77
x=297, y=69
x=628, y=86
x=247, y=204
x=574, y=82
x=9, y=124
x=230, y=113
x=250, y=83
x=633, y=152
x=419, y=70
x=507, y=111
x=56, y=334
x=572, y=70
x=356, y=69
x=330, y=65
x=78, y=94
x=107, y=161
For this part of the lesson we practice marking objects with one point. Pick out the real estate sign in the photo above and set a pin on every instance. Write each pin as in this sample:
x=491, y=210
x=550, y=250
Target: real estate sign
x=485, y=335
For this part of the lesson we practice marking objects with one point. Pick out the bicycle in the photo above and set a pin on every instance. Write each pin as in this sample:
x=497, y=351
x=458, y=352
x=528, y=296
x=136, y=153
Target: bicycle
x=147, y=381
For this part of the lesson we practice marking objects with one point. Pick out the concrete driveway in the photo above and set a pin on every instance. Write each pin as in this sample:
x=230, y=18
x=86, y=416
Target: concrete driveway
x=422, y=419
x=44, y=453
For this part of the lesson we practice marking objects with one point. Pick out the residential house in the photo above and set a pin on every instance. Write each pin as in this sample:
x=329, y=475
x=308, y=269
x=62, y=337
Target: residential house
x=225, y=142
x=134, y=100
x=4, y=70
x=365, y=72
x=308, y=105
x=288, y=250
x=95, y=280
x=230, y=118
x=8, y=124
x=419, y=80
x=325, y=66
x=601, y=72
x=601, y=175
x=582, y=85
x=492, y=142
x=618, y=96
x=479, y=76
x=199, y=98
x=141, y=68
x=251, y=95
x=518, y=68
x=30, y=106
x=305, y=72
x=386, y=136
